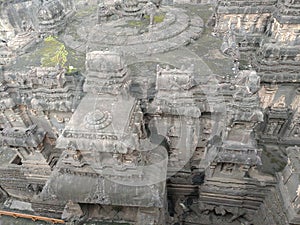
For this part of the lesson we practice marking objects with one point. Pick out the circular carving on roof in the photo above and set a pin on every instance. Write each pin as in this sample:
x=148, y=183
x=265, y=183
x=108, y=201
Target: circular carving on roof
x=97, y=120
x=172, y=28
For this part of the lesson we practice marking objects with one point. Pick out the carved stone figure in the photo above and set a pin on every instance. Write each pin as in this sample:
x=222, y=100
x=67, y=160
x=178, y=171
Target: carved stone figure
x=150, y=10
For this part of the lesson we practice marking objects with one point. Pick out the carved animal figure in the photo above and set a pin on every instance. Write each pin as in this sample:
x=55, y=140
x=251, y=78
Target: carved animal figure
x=150, y=10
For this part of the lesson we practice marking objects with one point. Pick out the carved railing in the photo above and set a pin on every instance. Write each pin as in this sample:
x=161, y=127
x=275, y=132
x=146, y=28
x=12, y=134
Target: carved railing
x=32, y=217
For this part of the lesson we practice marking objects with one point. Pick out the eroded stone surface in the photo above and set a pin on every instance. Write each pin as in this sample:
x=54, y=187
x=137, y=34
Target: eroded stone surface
x=149, y=117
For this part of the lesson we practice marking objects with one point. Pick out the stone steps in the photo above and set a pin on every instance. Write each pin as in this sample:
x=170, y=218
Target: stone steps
x=245, y=194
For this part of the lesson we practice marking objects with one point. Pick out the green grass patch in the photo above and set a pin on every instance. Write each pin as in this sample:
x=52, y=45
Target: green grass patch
x=144, y=23
x=157, y=19
x=53, y=53
x=135, y=23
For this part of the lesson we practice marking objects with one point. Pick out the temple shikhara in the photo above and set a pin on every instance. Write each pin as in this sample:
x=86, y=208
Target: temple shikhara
x=150, y=112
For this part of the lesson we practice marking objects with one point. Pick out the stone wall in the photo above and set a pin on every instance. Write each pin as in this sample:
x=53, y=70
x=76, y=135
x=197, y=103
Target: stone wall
x=44, y=208
x=16, y=187
x=286, y=33
x=271, y=211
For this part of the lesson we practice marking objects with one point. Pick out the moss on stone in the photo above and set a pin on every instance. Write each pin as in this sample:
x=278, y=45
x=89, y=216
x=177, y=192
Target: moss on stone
x=53, y=52
x=135, y=23
x=157, y=19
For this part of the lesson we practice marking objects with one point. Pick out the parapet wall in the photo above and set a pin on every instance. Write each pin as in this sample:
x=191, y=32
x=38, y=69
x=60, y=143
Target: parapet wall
x=271, y=211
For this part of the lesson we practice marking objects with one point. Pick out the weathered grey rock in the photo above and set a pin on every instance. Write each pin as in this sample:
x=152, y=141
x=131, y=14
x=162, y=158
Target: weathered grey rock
x=82, y=147
x=51, y=17
x=289, y=186
x=102, y=146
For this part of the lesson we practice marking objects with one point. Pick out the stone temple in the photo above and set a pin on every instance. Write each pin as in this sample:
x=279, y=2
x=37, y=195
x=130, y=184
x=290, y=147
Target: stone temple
x=150, y=112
